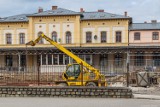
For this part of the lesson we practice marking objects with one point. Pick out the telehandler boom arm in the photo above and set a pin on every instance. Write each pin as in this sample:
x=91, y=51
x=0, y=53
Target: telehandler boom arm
x=67, y=52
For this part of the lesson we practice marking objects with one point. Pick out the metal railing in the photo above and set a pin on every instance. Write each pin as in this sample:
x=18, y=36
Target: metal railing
x=116, y=75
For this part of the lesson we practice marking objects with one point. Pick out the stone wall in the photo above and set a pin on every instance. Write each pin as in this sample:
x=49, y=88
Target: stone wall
x=104, y=92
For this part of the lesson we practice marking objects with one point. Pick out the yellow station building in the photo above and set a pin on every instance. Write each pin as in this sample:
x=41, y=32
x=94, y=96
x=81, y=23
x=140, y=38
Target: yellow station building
x=100, y=38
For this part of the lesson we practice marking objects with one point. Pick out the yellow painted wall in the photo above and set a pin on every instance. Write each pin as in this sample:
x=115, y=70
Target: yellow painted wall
x=111, y=24
x=78, y=30
x=11, y=28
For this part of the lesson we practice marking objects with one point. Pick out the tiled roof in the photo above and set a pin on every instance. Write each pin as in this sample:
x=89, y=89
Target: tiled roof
x=16, y=18
x=102, y=15
x=144, y=26
x=58, y=11
x=61, y=11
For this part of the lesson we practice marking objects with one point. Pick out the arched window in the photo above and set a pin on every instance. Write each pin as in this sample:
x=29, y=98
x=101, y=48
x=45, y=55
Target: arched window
x=41, y=41
x=88, y=37
x=54, y=36
x=68, y=37
x=8, y=38
x=22, y=38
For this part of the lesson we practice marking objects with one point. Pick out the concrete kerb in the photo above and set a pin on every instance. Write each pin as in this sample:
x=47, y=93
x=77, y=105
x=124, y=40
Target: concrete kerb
x=142, y=96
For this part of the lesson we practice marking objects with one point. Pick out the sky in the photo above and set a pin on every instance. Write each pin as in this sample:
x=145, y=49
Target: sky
x=139, y=10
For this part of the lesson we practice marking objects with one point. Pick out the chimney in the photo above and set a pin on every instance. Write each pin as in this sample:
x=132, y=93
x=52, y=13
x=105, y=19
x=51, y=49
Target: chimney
x=40, y=10
x=54, y=7
x=154, y=21
x=100, y=10
x=125, y=13
x=81, y=10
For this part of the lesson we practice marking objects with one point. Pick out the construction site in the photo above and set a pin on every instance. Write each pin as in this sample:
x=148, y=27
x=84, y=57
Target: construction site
x=64, y=48
x=141, y=80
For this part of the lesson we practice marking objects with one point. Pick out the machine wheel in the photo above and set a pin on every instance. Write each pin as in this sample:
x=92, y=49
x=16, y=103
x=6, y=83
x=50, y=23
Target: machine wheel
x=62, y=84
x=91, y=84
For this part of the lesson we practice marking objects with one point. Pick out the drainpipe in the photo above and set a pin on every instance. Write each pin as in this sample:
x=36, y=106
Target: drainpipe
x=128, y=59
x=19, y=62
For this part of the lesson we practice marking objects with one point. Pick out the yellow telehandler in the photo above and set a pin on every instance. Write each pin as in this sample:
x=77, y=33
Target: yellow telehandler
x=76, y=74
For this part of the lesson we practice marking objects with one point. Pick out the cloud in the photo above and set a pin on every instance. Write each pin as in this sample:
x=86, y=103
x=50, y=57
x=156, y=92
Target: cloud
x=140, y=10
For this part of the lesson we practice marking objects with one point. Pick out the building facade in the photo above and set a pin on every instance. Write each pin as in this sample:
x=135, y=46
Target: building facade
x=144, y=45
x=99, y=38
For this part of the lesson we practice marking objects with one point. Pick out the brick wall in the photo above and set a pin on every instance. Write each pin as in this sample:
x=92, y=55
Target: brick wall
x=104, y=92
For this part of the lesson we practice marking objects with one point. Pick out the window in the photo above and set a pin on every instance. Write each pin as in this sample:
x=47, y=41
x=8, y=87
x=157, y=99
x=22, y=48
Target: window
x=88, y=59
x=8, y=38
x=41, y=41
x=82, y=57
x=66, y=60
x=103, y=59
x=73, y=70
x=118, y=59
x=49, y=59
x=44, y=58
x=38, y=60
x=23, y=60
x=156, y=59
x=60, y=59
x=68, y=37
x=118, y=36
x=103, y=36
x=155, y=36
x=22, y=38
x=55, y=59
x=88, y=37
x=137, y=36
x=139, y=59
x=54, y=36
x=9, y=60
x=103, y=62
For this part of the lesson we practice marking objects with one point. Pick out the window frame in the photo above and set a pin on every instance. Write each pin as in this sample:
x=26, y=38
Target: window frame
x=8, y=38
x=103, y=37
x=21, y=38
x=155, y=35
x=139, y=59
x=42, y=40
x=54, y=36
x=137, y=36
x=156, y=58
x=88, y=37
x=68, y=37
x=118, y=37
x=9, y=60
x=118, y=59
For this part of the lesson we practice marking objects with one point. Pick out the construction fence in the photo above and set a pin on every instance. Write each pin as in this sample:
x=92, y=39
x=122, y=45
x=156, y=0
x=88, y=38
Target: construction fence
x=117, y=73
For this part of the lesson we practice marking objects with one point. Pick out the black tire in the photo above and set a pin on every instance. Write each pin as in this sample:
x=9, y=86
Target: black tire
x=91, y=84
x=62, y=84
